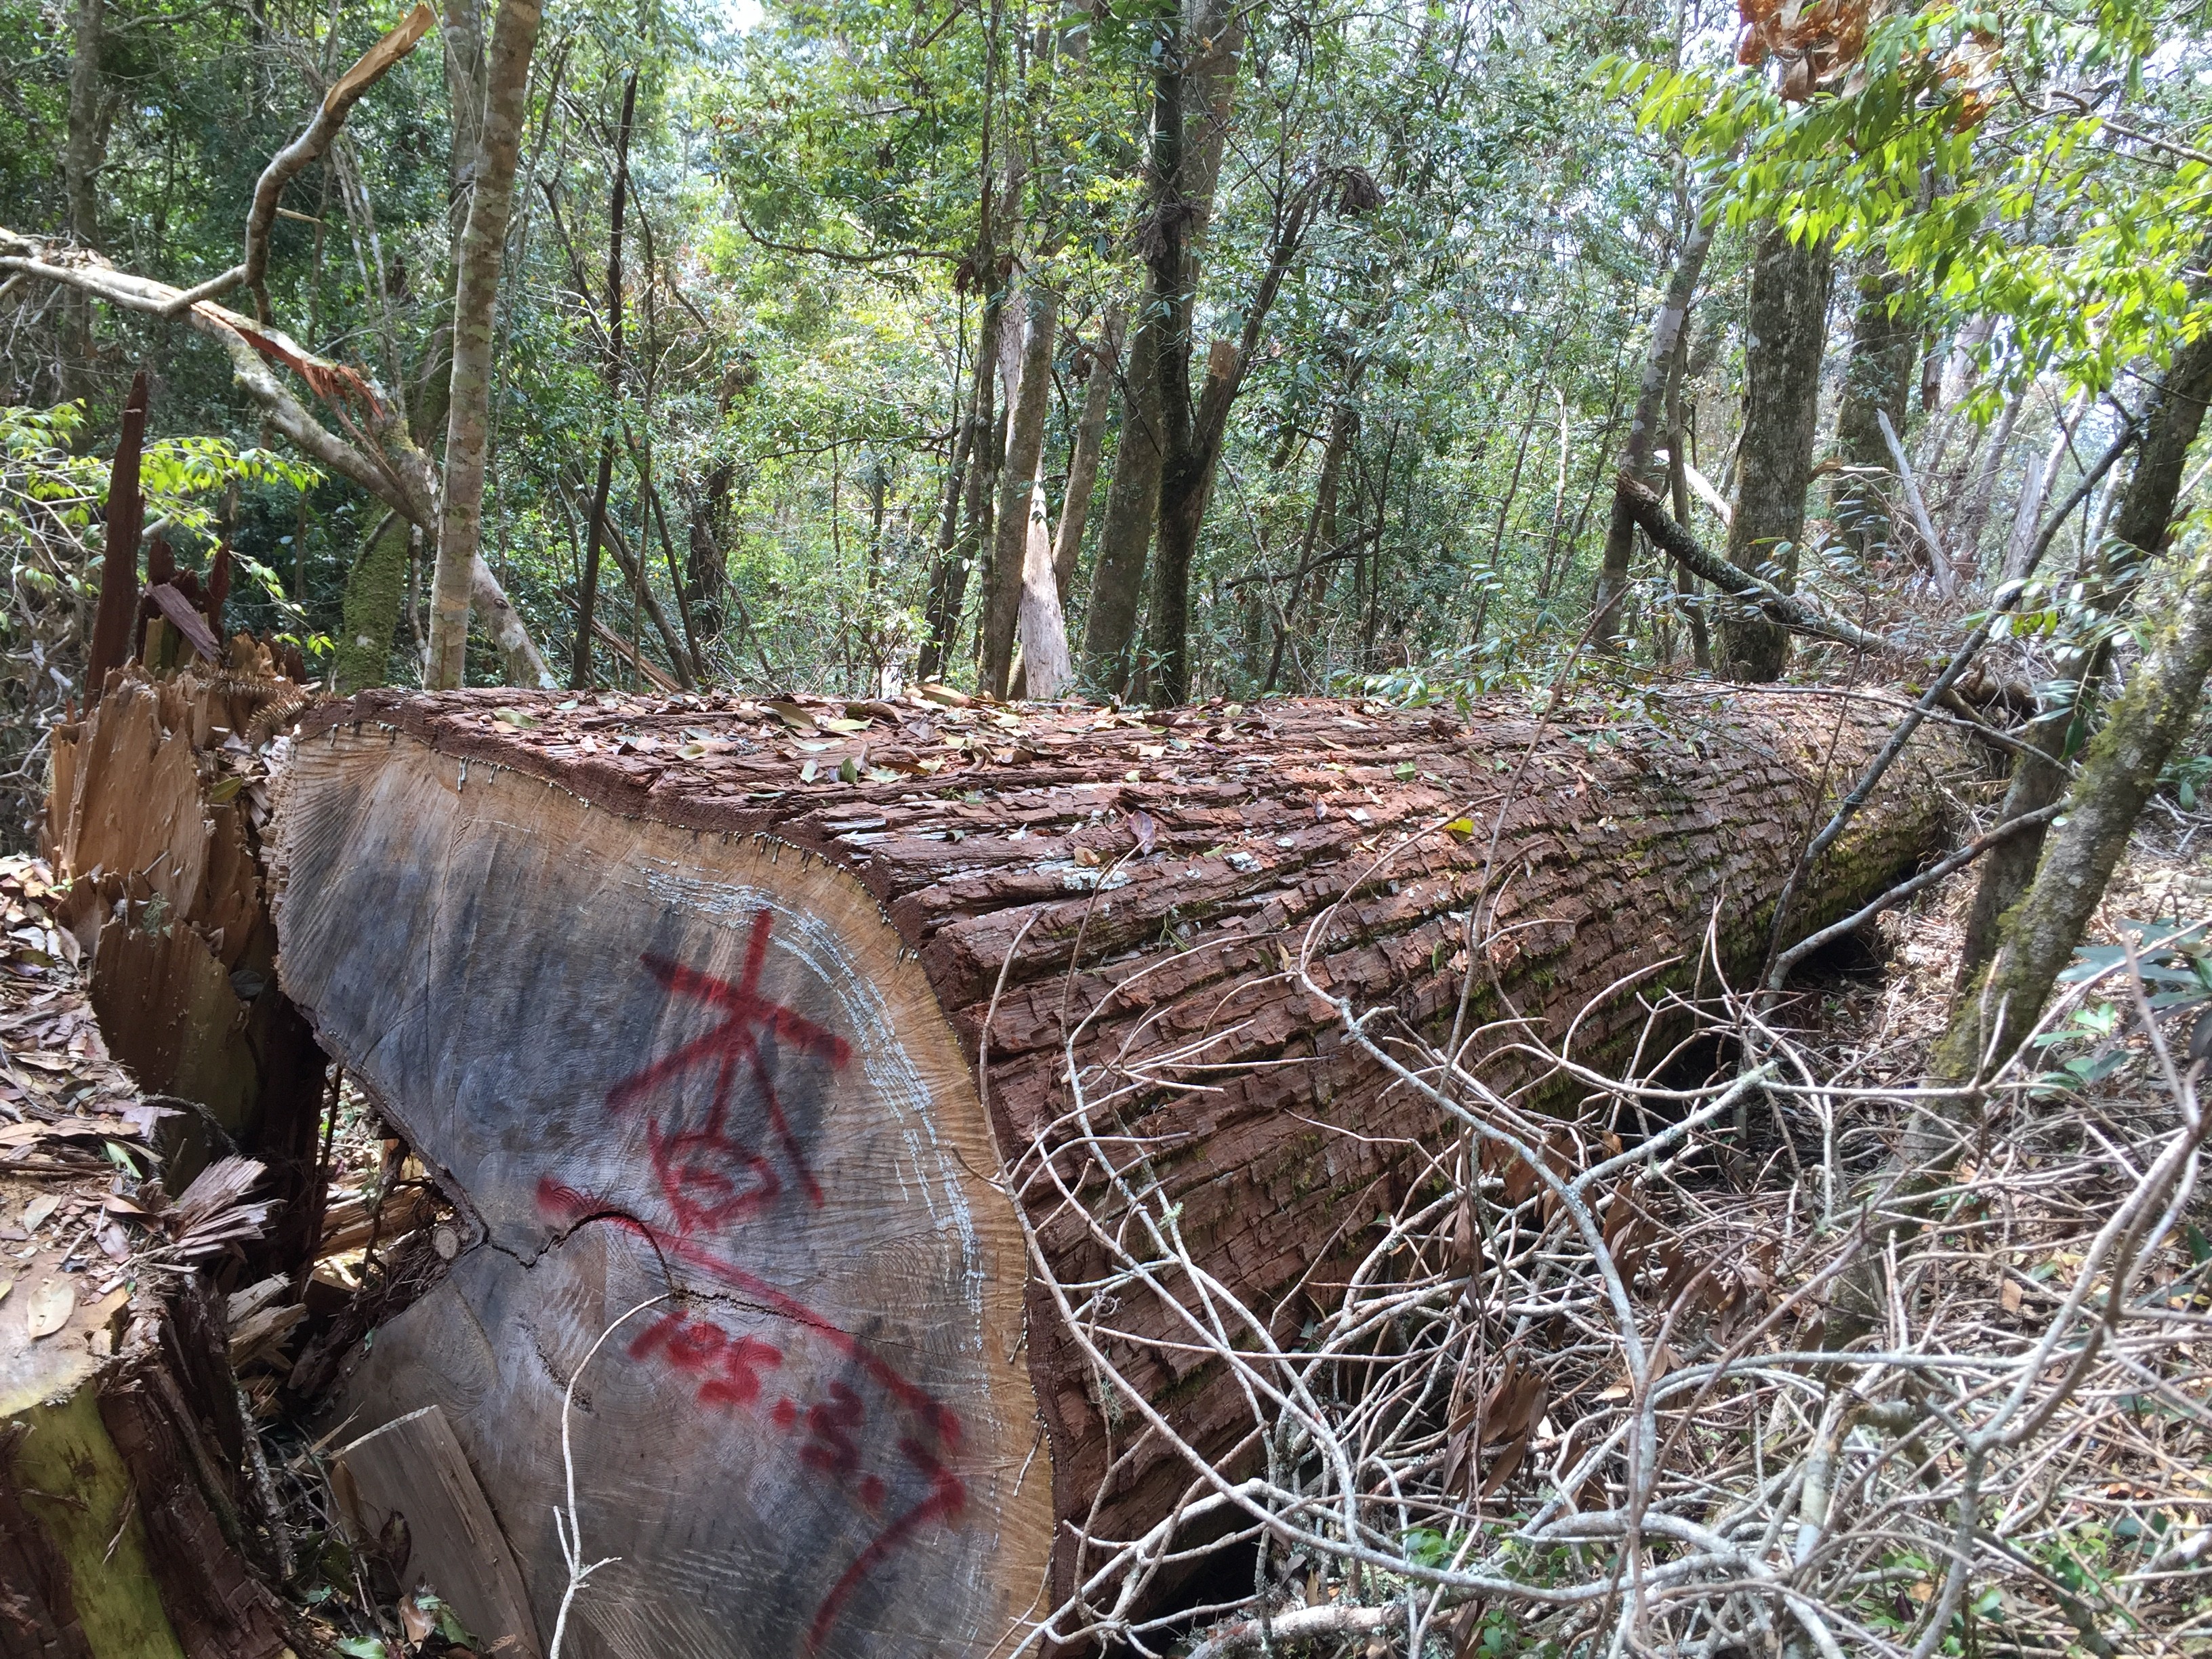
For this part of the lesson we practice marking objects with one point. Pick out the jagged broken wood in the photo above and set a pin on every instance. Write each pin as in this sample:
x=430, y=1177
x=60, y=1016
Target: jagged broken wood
x=755, y=1004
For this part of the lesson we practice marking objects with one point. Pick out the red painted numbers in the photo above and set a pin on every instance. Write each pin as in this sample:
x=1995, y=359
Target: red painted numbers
x=714, y=1180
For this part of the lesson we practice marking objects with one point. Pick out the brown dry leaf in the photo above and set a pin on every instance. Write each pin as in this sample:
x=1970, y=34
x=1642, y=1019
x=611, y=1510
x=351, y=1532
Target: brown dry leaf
x=36, y=1212
x=2010, y=1296
x=48, y=1307
x=1144, y=829
x=416, y=1623
x=1502, y=1470
x=1520, y=1181
x=793, y=716
x=6, y=1286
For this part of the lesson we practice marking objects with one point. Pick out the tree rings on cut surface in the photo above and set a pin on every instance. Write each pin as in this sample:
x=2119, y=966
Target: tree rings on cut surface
x=696, y=1073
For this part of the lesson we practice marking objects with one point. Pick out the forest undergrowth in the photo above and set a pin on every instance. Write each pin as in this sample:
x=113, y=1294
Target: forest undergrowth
x=1585, y=1402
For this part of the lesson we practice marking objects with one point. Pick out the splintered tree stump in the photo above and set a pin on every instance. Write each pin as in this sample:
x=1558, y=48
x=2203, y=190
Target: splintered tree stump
x=687, y=1001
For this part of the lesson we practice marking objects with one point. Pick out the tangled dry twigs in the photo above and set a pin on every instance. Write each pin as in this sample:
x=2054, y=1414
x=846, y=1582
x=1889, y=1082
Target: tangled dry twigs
x=1574, y=1399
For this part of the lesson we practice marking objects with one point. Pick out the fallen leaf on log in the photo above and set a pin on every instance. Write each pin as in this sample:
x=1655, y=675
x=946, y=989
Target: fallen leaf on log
x=48, y=1307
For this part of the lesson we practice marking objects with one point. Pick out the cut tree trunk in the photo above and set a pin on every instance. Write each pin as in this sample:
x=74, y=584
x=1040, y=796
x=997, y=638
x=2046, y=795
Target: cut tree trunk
x=677, y=1014
x=129, y=1527
x=159, y=797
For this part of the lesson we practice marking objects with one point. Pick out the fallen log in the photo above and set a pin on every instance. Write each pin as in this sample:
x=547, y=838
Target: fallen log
x=720, y=1021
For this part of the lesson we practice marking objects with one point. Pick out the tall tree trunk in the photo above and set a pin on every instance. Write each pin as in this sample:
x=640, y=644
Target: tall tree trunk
x=1083, y=463
x=462, y=33
x=84, y=149
x=2139, y=533
x=580, y=674
x=1320, y=521
x=1125, y=540
x=1027, y=408
x=1966, y=539
x=373, y=592
x=1877, y=380
x=468, y=425
x=929, y=661
x=1788, y=327
x=1643, y=424
x=1678, y=484
x=1046, y=670
x=2037, y=937
x=1196, y=72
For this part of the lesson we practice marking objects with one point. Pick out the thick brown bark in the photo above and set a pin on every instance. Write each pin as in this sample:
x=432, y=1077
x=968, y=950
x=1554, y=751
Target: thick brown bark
x=2139, y=534
x=1008, y=874
x=587, y=598
x=1787, y=329
x=468, y=420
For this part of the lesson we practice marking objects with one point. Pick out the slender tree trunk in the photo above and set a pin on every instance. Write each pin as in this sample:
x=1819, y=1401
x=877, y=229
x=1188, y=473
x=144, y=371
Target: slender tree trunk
x=1028, y=406
x=483, y=245
x=462, y=31
x=588, y=600
x=83, y=149
x=1678, y=481
x=2139, y=534
x=1196, y=72
x=1643, y=424
x=1877, y=380
x=1083, y=463
x=1966, y=539
x=1321, y=522
x=1125, y=540
x=929, y=661
x=1787, y=325
x=2037, y=937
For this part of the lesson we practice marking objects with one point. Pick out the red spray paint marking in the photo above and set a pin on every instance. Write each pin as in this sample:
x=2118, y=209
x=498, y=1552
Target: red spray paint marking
x=711, y=1179
x=948, y=1497
x=568, y=1207
x=735, y=1041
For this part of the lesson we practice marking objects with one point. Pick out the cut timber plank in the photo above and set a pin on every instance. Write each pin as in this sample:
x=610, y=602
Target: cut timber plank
x=413, y=1468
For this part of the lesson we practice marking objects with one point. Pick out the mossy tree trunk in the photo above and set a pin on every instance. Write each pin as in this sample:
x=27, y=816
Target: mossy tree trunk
x=1787, y=326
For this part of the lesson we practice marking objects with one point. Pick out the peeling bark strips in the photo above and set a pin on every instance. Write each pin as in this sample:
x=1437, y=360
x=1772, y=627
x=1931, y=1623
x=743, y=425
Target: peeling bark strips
x=468, y=420
x=679, y=1044
x=1028, y=401
x=1788, y=327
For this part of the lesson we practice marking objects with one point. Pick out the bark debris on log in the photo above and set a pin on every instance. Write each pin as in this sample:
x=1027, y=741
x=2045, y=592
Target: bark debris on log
x=688, y=999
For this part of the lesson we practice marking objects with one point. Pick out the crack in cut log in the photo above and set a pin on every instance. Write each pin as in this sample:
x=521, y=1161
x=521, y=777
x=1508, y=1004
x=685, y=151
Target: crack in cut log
x=674, y=1009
